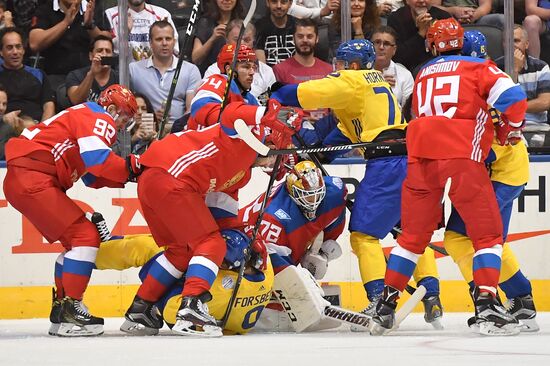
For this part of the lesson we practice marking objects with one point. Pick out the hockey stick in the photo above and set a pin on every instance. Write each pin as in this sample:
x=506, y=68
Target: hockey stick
x=254, y=235
x=231, y=73
x=248, y=137
x=188, y=37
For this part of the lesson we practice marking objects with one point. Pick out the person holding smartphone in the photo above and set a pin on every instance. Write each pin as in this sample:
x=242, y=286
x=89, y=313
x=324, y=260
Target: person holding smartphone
x=146, y=126
x=87, y=83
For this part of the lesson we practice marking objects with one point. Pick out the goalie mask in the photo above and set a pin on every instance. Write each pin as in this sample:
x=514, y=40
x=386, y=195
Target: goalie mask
x=306, y=187
x=237, y=247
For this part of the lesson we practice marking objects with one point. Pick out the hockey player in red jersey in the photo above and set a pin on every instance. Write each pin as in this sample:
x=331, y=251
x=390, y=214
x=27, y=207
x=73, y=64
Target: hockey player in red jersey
x=43, y=163
x=184, y=175
x=206, y=105
x=450, y=139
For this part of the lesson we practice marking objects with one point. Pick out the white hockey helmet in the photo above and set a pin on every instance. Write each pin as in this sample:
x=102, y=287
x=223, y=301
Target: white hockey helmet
x=306, y=187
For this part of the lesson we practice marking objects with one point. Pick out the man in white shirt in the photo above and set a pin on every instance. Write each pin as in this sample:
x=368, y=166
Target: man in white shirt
x=140, y=18
x=400, y=79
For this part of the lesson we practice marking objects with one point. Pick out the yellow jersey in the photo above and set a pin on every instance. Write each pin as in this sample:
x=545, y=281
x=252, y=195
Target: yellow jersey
x=254, y=292
x=361, y=100
x=511, y=166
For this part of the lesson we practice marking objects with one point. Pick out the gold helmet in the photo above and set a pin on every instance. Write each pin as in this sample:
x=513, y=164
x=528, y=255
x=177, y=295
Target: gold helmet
x=306, y=187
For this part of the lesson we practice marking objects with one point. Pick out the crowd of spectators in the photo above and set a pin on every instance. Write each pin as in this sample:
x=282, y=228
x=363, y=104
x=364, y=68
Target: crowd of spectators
x=58, y=53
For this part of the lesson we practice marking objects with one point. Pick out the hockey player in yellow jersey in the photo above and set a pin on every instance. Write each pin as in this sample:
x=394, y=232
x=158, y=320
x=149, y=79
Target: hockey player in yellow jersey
x=366, y=110
x=254, y=292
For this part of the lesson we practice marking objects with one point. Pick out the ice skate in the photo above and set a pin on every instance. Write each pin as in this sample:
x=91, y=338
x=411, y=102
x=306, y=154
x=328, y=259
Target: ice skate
x=491, y=318
x=76, y=321
x=433, y=311
x=97, y=219
x=523, y=309
x=193, y=317
x=369, y=311
x=143, y=318
x=55, y=314
x=384, y=317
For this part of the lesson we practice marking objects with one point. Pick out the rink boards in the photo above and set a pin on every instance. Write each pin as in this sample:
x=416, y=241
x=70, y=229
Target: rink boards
x=26, y=259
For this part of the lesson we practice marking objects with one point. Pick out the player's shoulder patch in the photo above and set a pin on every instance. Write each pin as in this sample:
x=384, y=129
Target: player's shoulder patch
x=282, y=215
x=337, y=181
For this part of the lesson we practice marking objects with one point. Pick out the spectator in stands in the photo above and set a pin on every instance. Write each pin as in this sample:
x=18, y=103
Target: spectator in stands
x=411, y=23
x=28, y=88
x=23, y=11
x=61, y=32
x=6, y=19
x=313, y=9
x=212, y=29
x=275, y=33
x=153, y=76
x=7, y=130
x=364, y=19
x=87, y=83
x=536, y=22
x=385, y=7
x=471, y=11
x=303, y=65
x=265, y=77
x=140, y=17
x=534, y=77
x=400, y=79
x=146, y=125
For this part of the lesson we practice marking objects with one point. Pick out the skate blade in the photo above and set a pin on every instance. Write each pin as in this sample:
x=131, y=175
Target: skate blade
x=185, y=328
x=54, y=329
x=528, y=325
x=378, y=330
x=490, y=329
x=137, y=329
x=74, y=330
x=436, y=324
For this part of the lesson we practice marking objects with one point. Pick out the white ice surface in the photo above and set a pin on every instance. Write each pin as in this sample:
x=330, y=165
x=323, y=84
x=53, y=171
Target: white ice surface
x=25, y=342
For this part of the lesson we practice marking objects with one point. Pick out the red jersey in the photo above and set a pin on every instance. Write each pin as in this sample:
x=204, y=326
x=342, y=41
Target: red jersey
x=459, y=90
x=79, y=140
x=206, y=105
x=214, y=159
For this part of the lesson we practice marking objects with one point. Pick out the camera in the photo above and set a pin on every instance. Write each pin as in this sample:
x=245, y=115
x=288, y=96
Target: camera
x=109, y=60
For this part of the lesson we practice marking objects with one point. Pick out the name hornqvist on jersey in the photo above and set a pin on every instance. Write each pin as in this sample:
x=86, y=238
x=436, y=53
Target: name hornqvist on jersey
x=440, y=67
x=374, y=77
x=252, y=300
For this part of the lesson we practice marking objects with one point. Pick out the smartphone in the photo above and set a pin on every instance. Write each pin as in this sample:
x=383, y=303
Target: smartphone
x=109, y=60
x=148, y=122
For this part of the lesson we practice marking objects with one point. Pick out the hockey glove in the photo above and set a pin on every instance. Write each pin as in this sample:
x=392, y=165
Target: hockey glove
x=316, y=264
x=505, y=133
x=134, y=167
x=331, y=249
x=285, y=120
x=259, y=254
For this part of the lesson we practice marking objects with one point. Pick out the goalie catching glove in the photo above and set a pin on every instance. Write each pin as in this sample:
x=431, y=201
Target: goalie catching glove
x=317, y=263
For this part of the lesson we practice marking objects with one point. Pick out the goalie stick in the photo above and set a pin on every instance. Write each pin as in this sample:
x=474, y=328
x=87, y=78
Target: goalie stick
x=188, y=37
x=248, y=137
x=362, y=320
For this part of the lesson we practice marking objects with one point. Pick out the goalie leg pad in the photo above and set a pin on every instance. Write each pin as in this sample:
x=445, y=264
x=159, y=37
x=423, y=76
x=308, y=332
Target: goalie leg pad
x=300, y=296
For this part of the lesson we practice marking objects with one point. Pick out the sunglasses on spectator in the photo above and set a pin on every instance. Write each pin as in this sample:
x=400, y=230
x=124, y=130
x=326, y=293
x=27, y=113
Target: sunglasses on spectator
x=379, y=43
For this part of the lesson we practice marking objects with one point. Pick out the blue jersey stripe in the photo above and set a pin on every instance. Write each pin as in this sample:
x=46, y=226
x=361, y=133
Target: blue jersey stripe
x=95, y=157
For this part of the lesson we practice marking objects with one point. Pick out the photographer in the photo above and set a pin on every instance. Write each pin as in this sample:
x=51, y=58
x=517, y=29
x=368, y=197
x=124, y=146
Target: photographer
x=87, y=83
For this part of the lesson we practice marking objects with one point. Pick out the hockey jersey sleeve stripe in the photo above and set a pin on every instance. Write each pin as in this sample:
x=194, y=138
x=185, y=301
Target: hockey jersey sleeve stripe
x=222, y=204
x=93, y=150
x=504, y=94
x=203, y=268
x=202, y=98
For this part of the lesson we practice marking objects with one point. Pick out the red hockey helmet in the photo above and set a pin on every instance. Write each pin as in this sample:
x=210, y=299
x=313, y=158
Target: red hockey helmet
x=245, y=54
x=445, y=35
x=121, y=97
